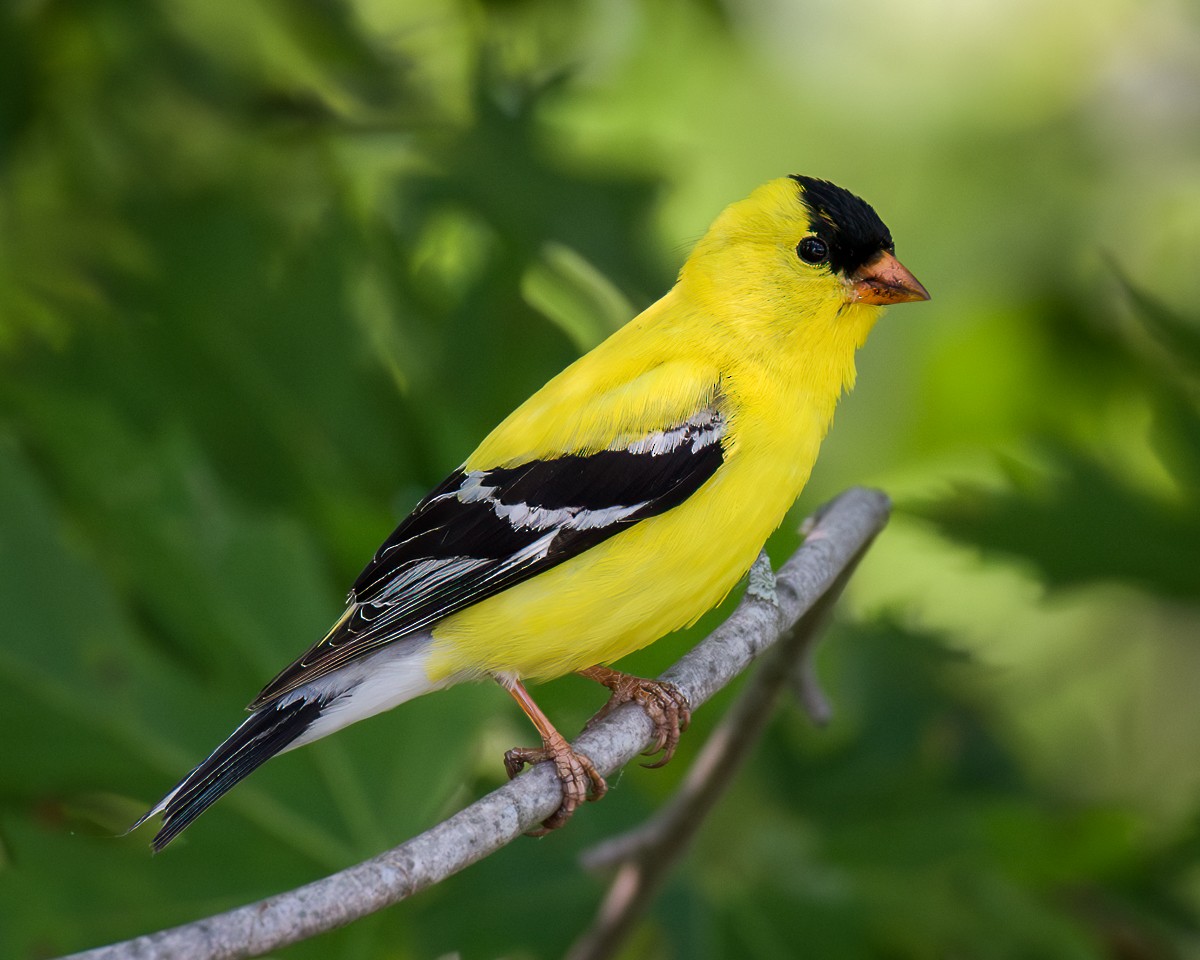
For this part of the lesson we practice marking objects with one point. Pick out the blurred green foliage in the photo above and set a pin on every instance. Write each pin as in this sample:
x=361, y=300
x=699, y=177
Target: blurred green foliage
x=269, y=270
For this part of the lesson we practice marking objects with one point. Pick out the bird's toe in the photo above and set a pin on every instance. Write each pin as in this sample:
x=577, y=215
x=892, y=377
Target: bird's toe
x=580, y=779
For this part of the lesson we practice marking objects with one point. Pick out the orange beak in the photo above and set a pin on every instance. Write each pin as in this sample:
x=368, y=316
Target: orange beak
x=885, y=280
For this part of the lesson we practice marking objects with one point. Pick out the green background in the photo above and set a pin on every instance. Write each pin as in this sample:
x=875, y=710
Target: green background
x=269, y=270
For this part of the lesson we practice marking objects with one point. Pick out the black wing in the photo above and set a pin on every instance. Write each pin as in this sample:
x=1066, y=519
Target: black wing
x=481, y=532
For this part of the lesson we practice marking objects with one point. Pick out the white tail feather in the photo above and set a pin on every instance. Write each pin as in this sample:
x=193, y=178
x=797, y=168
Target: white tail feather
x=361, y=689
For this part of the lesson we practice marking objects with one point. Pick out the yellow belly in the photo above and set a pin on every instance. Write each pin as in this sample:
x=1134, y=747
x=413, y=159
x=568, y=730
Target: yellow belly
x=659, y=575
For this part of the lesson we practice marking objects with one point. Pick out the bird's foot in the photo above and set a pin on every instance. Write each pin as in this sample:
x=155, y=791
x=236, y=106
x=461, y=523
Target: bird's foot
x=578, y=775
x=664, y=703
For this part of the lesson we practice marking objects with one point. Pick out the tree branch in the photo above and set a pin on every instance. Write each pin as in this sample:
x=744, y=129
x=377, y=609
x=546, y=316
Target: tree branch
x=645, y=856
x=841, y=531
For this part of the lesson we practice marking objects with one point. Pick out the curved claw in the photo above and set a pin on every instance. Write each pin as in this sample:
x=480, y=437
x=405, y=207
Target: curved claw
x=671, y=714
x=664, y=703
x=575, y=771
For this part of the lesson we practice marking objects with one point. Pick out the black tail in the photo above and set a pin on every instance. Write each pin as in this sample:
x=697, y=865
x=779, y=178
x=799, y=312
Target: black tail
x=265, y=732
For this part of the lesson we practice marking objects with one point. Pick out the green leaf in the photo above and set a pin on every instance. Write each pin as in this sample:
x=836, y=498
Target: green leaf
x=1078, y=525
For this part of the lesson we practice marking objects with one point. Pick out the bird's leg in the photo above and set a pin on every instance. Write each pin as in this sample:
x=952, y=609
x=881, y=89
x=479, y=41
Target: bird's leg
x=664, y=703
x=576, y=772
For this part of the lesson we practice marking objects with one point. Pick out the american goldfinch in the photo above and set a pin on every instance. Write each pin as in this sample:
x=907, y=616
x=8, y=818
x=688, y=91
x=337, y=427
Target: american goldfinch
x=618, y=503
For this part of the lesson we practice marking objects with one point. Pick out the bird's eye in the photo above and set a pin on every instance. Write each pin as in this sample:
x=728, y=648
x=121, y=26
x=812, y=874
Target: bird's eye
x=813, y=250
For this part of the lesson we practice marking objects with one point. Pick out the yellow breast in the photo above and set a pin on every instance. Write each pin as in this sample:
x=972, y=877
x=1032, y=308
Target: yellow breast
x=664, y=572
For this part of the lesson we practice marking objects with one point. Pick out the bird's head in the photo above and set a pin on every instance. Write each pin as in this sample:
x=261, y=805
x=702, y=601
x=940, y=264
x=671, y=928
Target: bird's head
x=847, y=242
x=802, y=249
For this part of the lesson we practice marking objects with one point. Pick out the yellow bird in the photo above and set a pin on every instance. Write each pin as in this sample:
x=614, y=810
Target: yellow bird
x=618, y=503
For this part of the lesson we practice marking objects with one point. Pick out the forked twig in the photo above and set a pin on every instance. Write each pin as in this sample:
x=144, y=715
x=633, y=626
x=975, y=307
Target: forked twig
x=645, y=856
